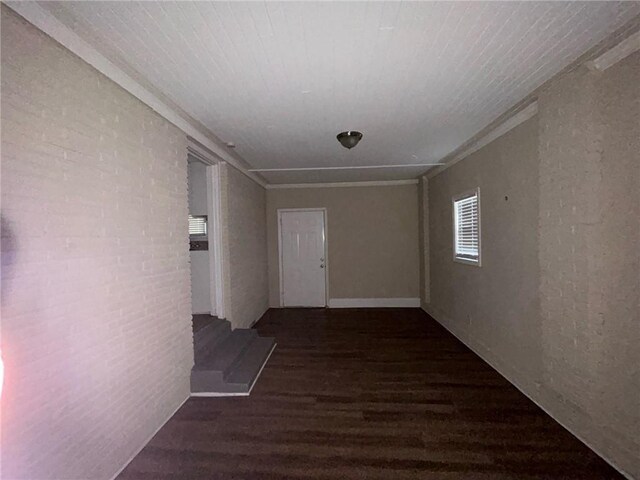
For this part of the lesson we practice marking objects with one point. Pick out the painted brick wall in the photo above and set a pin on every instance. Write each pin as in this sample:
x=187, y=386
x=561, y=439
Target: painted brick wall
x=589, y=258
x=555, y=306
x=95, y=268
x=493, y=307
x=245, y=238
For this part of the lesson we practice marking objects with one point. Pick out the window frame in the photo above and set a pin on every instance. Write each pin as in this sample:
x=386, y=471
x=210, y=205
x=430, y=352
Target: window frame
x=456, y=198
x=200, y=236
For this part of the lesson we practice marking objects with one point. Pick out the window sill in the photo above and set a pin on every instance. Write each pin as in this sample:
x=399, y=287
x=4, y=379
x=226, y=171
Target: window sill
x=467, y=261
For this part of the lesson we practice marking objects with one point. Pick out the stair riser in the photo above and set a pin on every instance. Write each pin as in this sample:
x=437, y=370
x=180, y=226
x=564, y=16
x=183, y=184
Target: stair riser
x=249, y=366
x=205, y=380
x=225, y=354
x=237, y=360
x=221, y=388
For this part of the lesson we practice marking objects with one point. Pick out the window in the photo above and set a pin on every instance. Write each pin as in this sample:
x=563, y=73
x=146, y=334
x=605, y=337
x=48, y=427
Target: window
x=197, y=225
x=466, y=227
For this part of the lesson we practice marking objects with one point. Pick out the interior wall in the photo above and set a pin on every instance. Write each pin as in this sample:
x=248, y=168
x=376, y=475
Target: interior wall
x=589, y=238
x=199, y=259
x=496, y=304
x=555, y=306
x=96, y=332
x=372, y=235
x=245, y=248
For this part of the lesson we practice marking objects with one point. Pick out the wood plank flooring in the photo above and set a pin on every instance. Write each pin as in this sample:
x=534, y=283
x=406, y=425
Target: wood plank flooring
x=367, y=394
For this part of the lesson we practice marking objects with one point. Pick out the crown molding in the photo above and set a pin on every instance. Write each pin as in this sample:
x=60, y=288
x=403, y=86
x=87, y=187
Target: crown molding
x=45, y=21
x=383, y=183
x=619, y=52
x=344, y=167
x=509, y=124
x=605, y=59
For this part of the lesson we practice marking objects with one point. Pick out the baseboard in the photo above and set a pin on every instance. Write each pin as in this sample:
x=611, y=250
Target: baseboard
x=144, y=444
x=219, y=394
x=374, y=302
x=259, y=317
x=499, y=369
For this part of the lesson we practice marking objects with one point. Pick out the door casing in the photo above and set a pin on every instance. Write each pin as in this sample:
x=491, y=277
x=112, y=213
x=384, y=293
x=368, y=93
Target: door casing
x=215, y=220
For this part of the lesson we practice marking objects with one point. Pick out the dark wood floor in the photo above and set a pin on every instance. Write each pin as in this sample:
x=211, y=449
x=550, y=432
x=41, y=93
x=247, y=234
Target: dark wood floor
x=367, y=394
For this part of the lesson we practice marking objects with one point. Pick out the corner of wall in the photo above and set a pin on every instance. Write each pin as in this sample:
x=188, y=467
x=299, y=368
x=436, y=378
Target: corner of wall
x=245, y=248
x=423, y=211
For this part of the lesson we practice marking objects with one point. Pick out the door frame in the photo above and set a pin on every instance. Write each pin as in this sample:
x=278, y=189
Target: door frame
x=215, y=219
x=216, y=262
x=280, y=211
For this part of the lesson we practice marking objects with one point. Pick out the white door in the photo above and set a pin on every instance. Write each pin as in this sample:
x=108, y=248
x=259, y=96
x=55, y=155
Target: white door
x=303, y=261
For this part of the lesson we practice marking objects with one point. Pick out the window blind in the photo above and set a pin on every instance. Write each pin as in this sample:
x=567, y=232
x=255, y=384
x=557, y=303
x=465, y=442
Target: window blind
x=467, y=230
x=197, y=225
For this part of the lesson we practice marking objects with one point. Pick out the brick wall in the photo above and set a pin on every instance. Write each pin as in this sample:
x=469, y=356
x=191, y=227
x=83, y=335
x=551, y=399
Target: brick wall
x=245, y=238
x=95, y=275
x=589, y=232
x=555, y=306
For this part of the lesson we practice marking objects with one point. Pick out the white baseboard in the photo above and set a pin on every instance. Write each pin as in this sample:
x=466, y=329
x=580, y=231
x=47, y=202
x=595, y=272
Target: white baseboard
x=144, y=444
x=509, y=377
x=219, y=394
x=374, y=302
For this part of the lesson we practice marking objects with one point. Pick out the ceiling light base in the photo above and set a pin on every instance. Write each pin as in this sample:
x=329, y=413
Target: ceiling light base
x=349, y=139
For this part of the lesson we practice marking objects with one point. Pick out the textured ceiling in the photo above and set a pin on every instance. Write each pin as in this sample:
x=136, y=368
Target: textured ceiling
x=280, y=80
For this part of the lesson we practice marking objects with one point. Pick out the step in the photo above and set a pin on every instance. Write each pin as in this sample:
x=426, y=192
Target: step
x=241, y=376
x=207, y=338
x=201, y=320
x=247, y=369
x=223, y=356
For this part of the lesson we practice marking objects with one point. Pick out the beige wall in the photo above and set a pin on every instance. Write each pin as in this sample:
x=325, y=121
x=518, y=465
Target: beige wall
x=556, y=304
x=589, y=255
x=496, y=304
x=245, y=237
x=372, y=239
x=96, y=331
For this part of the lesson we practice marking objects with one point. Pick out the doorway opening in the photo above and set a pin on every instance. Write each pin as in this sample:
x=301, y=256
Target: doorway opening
x=205, y=243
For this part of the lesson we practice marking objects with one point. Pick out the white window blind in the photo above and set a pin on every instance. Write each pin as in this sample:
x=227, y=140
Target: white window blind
x=197, y=225
x=466, y=211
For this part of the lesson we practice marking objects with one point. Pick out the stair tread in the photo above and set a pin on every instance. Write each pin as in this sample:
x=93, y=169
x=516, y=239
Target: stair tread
x=211, y=331
x=214, y=324
x=249, y=366
x=199, y=322
x=225, y=353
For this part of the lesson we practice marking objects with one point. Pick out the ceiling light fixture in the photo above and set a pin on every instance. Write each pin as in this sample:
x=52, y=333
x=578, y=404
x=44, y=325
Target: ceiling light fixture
x=349, y=139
